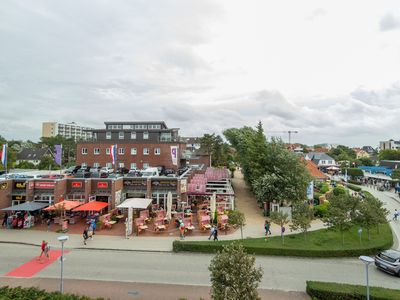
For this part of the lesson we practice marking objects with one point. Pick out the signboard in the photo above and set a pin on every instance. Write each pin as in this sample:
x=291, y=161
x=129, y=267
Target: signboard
x=76, y=184
x=138, y=184
x=310, y=191
x=118, y=197
x=183, y=185
x=19, y=185
x=3, y=185
x=164, y=183
x=47, y=185
x=174, y=155
x=18, y=197
x=128, y=222
x=102, y=185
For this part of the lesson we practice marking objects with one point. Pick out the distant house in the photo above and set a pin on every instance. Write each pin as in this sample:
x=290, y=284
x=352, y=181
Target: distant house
x=33, y=156
x=360, y=153
x=390, y=164
x=315, y=172
x=369, y=149
x=192, y=143
x=322, y=160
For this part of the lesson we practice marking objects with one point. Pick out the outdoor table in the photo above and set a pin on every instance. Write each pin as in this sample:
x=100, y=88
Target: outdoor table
x=207, y=226
x=161, y=227
x=112, y=222
x=119, y=217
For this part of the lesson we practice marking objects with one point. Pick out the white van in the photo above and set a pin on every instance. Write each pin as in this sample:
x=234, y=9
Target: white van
x=150, y=172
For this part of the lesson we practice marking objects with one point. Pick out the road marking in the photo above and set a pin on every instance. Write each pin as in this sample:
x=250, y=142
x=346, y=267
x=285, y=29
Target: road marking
x=34, y=266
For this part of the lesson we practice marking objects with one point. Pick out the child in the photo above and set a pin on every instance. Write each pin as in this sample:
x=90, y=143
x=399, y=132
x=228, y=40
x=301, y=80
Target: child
x=47, y=250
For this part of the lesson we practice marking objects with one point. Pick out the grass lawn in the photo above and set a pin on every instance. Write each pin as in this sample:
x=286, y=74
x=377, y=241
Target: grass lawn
x=320, y=243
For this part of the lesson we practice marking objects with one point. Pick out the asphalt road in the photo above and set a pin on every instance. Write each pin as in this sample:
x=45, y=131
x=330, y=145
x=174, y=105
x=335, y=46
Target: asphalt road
x=281, y=273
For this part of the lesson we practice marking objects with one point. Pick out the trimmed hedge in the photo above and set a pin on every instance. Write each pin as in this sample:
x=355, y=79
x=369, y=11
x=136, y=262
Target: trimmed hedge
x=354, y=182
x=338, y=291
x=320, y=211
x=354, y=187
x=20, y=293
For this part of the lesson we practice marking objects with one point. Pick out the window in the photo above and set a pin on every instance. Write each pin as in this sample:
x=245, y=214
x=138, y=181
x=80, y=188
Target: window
x=133, y=166
x=157, y=151
x=108, y=135
x=121, y=135
x=165, y=137
x=133, y=151
x=84, y=151
x=96, y=151
x=145, y=135
x=109, y=165
x=94, y=135
x=133, y=135
x=145, y=165
x=146, y=151
x=121, y=165
x=121, y=151
x=96, y=165
x=108, y=151
x=84, y=165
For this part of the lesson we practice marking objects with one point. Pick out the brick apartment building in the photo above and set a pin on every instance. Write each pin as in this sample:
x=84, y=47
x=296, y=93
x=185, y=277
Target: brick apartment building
x=139, y=145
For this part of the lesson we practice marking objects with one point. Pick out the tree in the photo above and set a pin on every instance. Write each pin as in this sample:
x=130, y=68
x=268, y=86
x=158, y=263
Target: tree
x=218, y=150
x=389, y=155
x=365, y=161
x=280, y=219
x=302, y=215
x=25, y=165
x=340, y=211
x=48, y=163
x=341, y=153
x=396, y=174
x=237, y=218
x=233, y=274
x=68, y=145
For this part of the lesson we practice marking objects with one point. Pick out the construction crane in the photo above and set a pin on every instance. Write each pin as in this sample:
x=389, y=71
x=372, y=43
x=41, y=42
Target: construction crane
x=289, y=132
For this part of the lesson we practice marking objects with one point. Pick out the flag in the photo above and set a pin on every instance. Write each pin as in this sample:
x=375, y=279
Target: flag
x=58, y=154
x=174, y=155
x=4, y=155
x=113, y=153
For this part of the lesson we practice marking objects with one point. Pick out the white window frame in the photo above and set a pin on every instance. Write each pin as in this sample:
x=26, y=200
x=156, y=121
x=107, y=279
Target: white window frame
x=157, y=151
x=108, y=150
x=121, y=135
x=121, y=165
x=121, y=151
x=109, y=165
x=108, y=135
x=133, y=135
x=84, y=151
x=145, y=135
x=84, y=165
x=96, y=151
x=146, y=166
x=146, y=151
x=96, y=165
x=133, y=166
x=133, y=151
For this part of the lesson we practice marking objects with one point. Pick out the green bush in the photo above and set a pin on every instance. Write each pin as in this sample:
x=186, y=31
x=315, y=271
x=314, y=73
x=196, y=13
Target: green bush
x=355, y=172
x=339, y=190
x=338, y=291
x=20, y=293
x=354, y=182
x=354, y=187
x=321, y=210
x=316, y=196
x=324, y=188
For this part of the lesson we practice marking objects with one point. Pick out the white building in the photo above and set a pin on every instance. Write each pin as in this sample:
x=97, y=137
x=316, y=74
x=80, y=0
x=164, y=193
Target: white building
x=70, y=130
x=389, y=145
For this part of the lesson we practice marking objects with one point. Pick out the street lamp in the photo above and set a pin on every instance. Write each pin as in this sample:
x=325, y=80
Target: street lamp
x=367, y=261
x=62, y=239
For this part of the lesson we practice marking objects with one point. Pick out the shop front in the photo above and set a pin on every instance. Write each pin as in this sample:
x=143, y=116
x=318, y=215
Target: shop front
x=43, y=191
x=18, y=193
x=135, y=188
x=75, y=190
x=101, y=191
x=160, y=187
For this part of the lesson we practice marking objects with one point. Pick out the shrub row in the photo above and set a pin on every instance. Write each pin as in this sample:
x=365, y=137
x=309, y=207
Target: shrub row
x=354, y=182
x=354, y=187
x=20, y=293
x=338, y=291
x=212, y=247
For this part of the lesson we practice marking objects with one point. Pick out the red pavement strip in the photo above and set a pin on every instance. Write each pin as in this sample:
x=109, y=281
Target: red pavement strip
x=34, y=266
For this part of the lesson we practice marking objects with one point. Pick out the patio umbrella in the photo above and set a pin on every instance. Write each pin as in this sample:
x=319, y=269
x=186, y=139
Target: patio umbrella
x=169, y=205
x=213, y=205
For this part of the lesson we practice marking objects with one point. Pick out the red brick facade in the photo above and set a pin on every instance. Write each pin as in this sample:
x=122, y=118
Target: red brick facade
x=152, y=159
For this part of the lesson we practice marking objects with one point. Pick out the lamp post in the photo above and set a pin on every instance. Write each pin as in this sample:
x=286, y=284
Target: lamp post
x=62, y=239
x=367, y=261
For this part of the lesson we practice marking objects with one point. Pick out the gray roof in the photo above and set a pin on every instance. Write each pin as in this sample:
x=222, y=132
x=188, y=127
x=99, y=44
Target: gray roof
x=32, y=154
x=317, y=156
x=27, y=206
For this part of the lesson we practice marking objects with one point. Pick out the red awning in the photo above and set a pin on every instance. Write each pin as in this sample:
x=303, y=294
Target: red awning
x=92, y=206
x=66, y=205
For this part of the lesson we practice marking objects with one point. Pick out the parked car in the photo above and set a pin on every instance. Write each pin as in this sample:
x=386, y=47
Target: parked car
x=72, y=170
x=389, y=261
x=82, y=173
x=106, y=170
x=122, y=171
x=134, y=173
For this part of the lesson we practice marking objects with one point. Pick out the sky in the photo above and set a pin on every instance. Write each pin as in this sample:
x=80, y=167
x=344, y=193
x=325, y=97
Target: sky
x=327, y=69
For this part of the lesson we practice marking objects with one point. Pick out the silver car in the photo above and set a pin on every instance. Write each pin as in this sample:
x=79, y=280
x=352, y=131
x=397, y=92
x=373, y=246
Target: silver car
x=389, y=261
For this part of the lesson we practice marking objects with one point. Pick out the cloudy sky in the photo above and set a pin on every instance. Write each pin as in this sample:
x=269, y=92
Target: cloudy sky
x=328, y=69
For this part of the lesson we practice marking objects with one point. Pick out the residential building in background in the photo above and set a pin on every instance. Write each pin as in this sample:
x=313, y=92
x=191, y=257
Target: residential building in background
x=70, y=130
x=33, y=156
x=192, y=143
x=140, y=145
x=389, y=145
x=322, y=160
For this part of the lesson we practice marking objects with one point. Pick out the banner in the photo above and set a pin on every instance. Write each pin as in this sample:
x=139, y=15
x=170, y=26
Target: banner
x=4, y=156
x=128, y=223
x=58, y=154
x=113, y=153
x=310, y=191
x=174, y=155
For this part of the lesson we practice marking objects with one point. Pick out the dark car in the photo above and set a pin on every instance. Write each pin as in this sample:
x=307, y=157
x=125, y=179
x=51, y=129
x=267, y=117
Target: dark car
x=122, y=171
x=72, y=170
x=82, y=173
x=389, y=261
x=169, y=172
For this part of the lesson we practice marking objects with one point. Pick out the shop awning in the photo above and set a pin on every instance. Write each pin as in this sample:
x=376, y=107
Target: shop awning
x=67, y=205
x=136, y=203
x=27, y=206
x=92, y=206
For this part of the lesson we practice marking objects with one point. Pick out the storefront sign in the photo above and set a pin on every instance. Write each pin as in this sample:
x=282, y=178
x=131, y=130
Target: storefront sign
x=183, y=186
x=76, y=184
x=19, y=185
x=164, y=183
x=102, y=185
x=18, y=197
x=174, y=155
x=136, y=184
x=3, y=185
x=45, y=185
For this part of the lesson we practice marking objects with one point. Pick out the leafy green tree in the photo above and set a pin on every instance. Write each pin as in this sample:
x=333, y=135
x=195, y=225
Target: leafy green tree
x=237, y=218
x=389, y=155
x=342, y=153
x=365, y=161
x=302, y=215
x=219, y=151
x=25, y=165
x=340, y=211
x=68, y=145
x=280, y=218
x=48, y=163
x=234, y=275
x=396, y=174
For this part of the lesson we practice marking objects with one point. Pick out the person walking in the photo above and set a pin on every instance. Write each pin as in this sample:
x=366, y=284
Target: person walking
x=396, y=214
x=48, y=223
x=266, y=227
x=212, y=232
x=5, y=220
x=85, y=235
x=94, y=226
x=43, y=248
x=47, y=251
x=182, y=230
x=215, y=233
x=90, y=231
